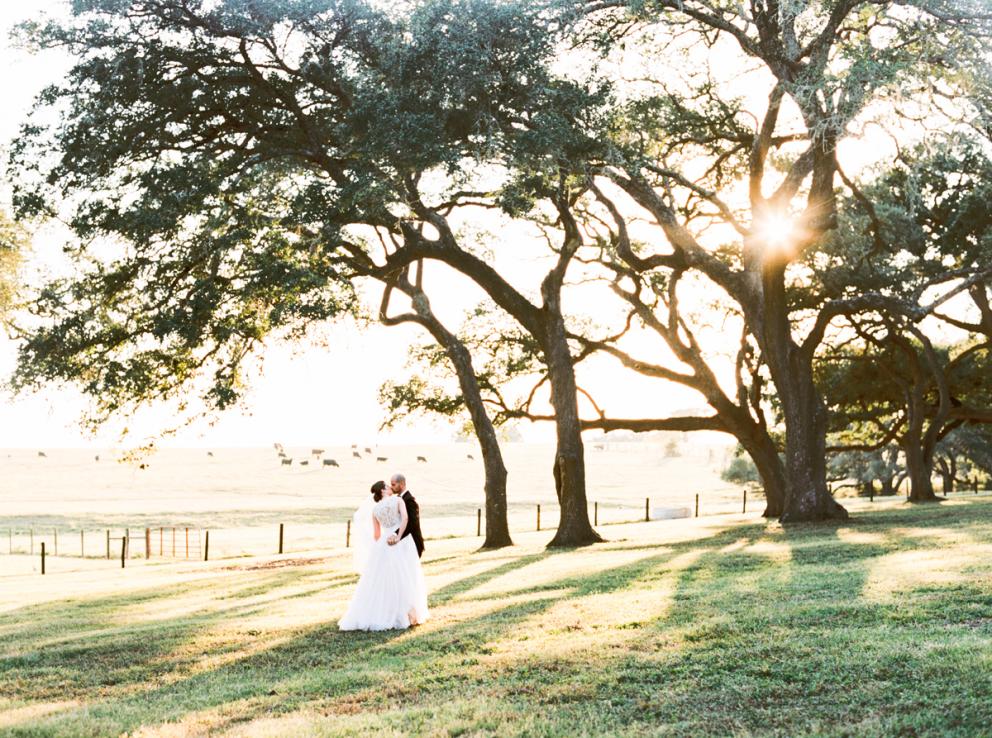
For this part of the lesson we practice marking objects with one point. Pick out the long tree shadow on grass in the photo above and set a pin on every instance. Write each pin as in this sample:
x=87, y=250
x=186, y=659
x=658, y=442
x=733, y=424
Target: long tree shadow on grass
x=752, y=642
x=323, y=665
x=73, y=648
x=785, y=640
x=461, y=586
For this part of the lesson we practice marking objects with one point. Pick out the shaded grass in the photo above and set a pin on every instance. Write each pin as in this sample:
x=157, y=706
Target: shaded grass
x=880, y=626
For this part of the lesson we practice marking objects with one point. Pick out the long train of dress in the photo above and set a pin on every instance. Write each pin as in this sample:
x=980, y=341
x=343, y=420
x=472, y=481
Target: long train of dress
x=391, y=588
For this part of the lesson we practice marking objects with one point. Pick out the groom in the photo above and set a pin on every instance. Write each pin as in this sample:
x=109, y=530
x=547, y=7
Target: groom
x=398, y=484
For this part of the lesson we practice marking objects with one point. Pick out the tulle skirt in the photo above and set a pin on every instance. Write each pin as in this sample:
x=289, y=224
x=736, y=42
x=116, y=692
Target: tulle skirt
x=391, y=589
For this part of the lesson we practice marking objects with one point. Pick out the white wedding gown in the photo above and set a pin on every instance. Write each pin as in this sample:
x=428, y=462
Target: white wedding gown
x=392, y=585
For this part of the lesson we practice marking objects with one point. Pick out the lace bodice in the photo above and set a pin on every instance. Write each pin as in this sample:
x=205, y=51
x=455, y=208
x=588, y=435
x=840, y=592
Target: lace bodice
x=387, y=512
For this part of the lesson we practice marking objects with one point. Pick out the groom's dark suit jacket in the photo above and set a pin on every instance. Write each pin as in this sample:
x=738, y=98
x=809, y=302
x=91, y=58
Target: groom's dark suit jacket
x=413, y=522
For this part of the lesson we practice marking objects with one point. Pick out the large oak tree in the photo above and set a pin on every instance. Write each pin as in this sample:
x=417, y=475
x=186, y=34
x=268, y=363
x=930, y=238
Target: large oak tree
x=694, y=158
x=242, y=157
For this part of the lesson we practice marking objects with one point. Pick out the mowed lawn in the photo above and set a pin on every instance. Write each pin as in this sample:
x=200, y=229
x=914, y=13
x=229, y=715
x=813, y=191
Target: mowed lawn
x=879, y=626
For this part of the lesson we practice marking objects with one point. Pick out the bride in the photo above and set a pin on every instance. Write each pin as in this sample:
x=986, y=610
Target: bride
x=391, y=592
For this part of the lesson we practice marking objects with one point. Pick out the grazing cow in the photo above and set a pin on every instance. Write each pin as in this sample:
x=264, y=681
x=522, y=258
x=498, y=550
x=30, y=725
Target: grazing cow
x=210, y=453
x=469, y=456
x=330, y=462
x=96, y=458
x=368, y=450
x=42, y=455
x=316, y=451
x=354, y=445
x=422, y=459
x=287, y=462
x=381, y=458
x=277, y=446
x=305, y=462
x=356, y=454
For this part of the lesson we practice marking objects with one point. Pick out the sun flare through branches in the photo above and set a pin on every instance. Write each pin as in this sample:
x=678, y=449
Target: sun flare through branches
x=777, y=233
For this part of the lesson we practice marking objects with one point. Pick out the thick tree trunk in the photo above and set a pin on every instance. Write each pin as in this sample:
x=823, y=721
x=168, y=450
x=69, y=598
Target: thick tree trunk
x=497, y=526
x=887, y=486
x=918, y=446
x=574, y=528
x=920, y=472
x=807, y=496
x=765, y=456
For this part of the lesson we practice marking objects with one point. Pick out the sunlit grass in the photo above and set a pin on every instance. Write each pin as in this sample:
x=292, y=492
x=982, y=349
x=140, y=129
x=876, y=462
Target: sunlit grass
x=880, y=626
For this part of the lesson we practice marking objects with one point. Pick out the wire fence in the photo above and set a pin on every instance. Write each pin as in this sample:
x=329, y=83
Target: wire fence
x=196, y=543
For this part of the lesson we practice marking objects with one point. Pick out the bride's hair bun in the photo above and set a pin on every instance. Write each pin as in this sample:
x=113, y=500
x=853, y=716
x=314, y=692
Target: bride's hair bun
x=377, y=490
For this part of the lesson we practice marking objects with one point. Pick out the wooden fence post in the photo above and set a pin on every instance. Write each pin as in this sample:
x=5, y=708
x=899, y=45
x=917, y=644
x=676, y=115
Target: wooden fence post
x=42, y=558
x=539, y=517
x=280, y=537
x=744, y=506
x=478, y=522
x=595, y=513
x=82, y=545
x=647, y=509
x=347, y=535
x=108, y=544
x=697, y=504
x=871, y=494
x=123, y=550
x=206, y=546
x=148, y=543
x=161, y=540
x=187, y=543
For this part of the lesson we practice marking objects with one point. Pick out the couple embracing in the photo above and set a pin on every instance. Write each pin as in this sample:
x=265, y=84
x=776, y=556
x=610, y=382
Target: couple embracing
x=391, y=592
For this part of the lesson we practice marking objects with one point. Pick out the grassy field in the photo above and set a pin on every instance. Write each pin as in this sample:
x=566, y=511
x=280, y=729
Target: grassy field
x=243, y=495
x=878, y=627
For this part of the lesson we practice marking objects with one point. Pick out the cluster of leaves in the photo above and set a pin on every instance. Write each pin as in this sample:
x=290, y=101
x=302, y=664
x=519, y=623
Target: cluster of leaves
x=212, y=156
x=13, y=241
